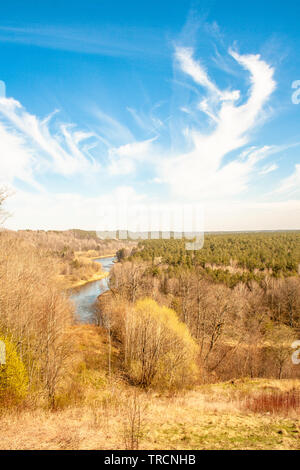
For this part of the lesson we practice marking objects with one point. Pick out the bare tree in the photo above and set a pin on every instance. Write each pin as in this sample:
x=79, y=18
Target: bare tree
x=34, y=312
x=133, y=422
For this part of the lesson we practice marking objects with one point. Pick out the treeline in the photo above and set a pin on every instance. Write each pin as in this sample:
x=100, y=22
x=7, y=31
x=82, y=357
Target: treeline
x=65, y=243
x=72, y=250
x=274, y=253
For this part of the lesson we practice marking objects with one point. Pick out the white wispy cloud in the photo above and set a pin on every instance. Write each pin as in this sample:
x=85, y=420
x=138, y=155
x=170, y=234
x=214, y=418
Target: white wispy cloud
x=148, y=122
x=291, y=184
x=201, y=173
x=123, y=159
x=27, y=145
x=110, y=129
x=112, y=40
x=16, y=159
x=200, y=76
x=268, y=169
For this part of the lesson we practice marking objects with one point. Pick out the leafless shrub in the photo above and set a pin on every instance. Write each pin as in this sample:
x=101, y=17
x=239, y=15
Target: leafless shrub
x=133, y=422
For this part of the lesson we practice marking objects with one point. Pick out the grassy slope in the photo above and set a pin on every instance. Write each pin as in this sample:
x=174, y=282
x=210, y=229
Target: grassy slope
x=93, y=410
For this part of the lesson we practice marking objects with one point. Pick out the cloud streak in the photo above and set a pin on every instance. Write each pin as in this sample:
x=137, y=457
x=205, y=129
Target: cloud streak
x=123, y=159
x=109, y=41
x=291, y=184
x=28, y=146
x=201, y=173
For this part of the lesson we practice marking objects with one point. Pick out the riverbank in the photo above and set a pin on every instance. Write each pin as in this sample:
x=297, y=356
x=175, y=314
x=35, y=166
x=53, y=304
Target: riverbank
x=83, y=271
x=69, y=284
x=91, y=254
x=112, y=255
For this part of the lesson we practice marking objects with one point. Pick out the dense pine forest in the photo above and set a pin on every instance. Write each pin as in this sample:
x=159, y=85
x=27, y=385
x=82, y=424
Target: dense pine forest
x=229, y=257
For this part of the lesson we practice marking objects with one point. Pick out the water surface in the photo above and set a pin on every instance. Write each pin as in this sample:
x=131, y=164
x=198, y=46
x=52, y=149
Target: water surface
x=84, y=296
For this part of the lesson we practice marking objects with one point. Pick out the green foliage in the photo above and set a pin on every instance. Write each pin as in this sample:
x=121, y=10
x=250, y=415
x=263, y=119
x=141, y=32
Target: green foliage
x=121, y=254
x=251, y=254
x=13, y=374
x=83, y=234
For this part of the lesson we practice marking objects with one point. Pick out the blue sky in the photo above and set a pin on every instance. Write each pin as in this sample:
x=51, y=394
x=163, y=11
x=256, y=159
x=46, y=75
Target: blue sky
x=150, y=102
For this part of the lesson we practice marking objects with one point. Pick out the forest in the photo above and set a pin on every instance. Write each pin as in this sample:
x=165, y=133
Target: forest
x=242, y=318
x=230, y=257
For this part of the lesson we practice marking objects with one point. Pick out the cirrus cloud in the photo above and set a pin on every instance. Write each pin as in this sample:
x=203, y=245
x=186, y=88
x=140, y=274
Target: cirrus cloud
x=28, y=146
x=201, y=173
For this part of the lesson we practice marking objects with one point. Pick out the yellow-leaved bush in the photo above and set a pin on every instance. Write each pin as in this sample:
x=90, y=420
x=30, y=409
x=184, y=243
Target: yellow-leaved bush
x=159, y=350
x=13, y=374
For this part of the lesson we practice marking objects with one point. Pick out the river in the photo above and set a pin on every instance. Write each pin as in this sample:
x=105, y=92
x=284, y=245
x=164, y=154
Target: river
x=85, y=296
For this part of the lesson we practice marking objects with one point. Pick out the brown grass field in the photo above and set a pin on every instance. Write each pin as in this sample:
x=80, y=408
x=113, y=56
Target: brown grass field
x=98, y=411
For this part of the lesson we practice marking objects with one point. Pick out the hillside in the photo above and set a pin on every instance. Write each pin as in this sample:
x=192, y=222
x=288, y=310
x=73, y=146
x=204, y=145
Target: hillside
x=97, y=411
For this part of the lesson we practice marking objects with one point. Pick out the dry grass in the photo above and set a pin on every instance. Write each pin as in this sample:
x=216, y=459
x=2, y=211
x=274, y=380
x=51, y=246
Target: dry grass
x=91, y=254
x=70, y=282
x=274, y=402
x=177, y=423
x=97, y=413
